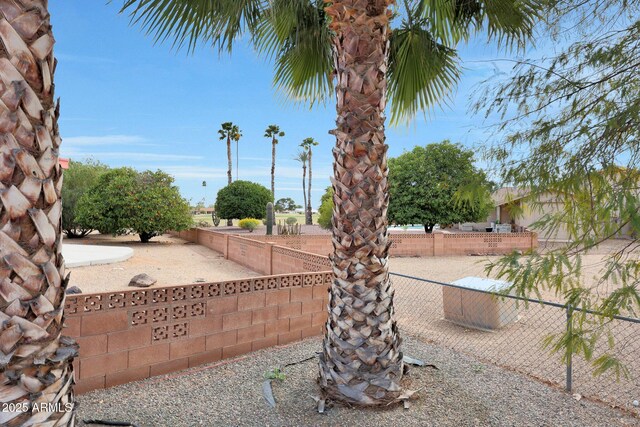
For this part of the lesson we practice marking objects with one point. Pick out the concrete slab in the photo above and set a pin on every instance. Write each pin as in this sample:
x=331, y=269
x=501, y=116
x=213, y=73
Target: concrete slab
x=85, y=255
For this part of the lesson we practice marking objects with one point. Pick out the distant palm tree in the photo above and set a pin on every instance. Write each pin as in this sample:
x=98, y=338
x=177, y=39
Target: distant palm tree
x=228, y=131
x=307, y=143
x=303, y=157
x=273, y=131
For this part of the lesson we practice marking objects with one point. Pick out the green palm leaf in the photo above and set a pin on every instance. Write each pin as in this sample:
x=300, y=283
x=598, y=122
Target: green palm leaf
x=192, y=21
x=421, y=72
x=294, y=34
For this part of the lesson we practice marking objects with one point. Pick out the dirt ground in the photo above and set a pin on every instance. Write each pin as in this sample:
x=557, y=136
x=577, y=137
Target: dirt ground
x=170, y=260
x=174, y=261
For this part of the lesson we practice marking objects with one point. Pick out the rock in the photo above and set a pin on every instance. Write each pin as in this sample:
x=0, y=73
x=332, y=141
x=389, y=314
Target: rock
x=73, y=290
x=142, y=281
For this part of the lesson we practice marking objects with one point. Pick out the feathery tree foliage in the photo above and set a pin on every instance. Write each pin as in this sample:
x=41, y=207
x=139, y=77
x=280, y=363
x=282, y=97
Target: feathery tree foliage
x=570, y=126
x=326, y=209
x=311, y=43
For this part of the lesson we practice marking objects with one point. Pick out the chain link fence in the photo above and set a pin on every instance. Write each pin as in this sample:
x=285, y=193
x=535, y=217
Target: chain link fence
x=510, y=332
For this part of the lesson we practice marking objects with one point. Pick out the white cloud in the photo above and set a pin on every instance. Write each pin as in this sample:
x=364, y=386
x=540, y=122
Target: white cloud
x=85, y=141
x=195, y=172
x=138, y=156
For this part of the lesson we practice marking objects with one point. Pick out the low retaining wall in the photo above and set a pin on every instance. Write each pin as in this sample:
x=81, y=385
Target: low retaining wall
x=131, y=335
x=263, y=257
x=236, y=248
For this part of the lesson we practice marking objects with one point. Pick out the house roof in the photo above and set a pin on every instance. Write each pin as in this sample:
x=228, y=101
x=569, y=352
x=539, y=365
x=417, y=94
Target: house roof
x=506, y=195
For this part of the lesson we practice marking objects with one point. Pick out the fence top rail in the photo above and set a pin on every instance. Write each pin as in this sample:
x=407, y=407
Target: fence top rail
x=503, y=295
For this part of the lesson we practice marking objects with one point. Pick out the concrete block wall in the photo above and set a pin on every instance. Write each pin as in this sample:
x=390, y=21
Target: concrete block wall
x=131, y=335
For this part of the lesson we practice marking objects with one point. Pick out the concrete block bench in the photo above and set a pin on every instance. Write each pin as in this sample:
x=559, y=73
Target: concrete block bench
x=467, y=305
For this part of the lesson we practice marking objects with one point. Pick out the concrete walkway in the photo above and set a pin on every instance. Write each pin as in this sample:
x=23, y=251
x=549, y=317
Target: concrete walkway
x=84, y=255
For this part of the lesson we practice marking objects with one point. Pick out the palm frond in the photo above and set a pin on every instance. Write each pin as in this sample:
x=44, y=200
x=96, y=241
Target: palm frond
x=216, y=22
x=421, y=72
x=509, y=22
x=295, y=36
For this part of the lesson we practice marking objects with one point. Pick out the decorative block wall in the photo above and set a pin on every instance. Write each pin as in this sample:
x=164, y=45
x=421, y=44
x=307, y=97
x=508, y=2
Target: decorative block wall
x=402, y=244
x=131, y=335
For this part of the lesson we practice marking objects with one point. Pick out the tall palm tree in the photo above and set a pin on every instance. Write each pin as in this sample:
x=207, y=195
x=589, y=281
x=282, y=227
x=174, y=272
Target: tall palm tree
x=273, y=132
x=303, y=158
x=307, y=143
x=228, y=131
x=415, y=64
x=35, y=359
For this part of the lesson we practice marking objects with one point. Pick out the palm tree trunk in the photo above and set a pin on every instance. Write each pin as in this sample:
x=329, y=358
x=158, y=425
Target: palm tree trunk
x=307, y=210
x=304, y=190
x=361, y=361
x=273, y=173
x=229, y=221
x=273, y=169
x=35, y=359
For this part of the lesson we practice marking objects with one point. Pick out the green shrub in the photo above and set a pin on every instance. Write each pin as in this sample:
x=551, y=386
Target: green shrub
x=249, y=224
x=125, y=200
x=325, y=211
x=242, y=199
x=291, y=220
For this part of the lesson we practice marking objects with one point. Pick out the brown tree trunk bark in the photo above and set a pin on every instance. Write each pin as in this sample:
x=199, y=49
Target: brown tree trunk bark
x=304, y=190
x=361, y=362
x=229, y=178
x=35, y=359
x=273, y=169
x=307, y=209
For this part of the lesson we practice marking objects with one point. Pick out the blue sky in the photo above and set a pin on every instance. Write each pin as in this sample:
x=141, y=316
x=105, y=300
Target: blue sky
x=128, y=102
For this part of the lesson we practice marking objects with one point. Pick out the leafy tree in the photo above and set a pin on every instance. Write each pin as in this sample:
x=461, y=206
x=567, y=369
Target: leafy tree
x=326, y=209
x=569, y=126
x=124, y=200
x=228, y=132
x=415, y=65
x=303, y=158
x=243, y=199
x=426, y=186
x=307, y=145
x=273, y=132
x=286, y=204
x=78, y=179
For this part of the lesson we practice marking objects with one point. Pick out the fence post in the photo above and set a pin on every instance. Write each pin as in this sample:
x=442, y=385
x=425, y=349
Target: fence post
x=570, y=348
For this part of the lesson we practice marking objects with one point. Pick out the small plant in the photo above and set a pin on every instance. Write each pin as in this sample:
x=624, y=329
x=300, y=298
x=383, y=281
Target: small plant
x=249, y=224
x=275, y=374
x=478, y=369
x=201, y=223
x=291, y=220
x=289, y=229
x=215, y=218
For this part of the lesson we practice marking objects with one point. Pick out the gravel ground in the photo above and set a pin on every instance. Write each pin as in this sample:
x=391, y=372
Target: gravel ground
x=170, y=260
x=462, y=392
